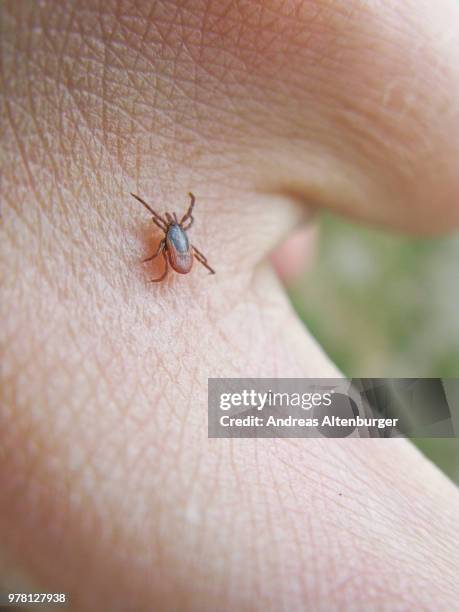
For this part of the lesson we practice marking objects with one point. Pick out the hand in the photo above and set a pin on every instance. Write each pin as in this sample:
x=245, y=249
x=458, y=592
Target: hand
x=110, y=489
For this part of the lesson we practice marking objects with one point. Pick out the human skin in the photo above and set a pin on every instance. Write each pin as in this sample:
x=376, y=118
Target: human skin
x=110, y=489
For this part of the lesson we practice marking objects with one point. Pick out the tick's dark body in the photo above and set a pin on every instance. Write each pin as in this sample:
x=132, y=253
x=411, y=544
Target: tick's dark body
x=178, y=249
x=175, y=247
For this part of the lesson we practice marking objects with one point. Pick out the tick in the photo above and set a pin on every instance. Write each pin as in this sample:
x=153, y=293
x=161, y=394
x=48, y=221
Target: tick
x=175, y=246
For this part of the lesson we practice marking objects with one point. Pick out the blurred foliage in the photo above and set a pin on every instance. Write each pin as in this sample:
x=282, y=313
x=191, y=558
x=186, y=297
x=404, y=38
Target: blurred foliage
x=382, y=304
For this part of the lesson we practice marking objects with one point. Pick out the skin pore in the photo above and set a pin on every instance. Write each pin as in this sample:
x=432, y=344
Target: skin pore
x=110, y=489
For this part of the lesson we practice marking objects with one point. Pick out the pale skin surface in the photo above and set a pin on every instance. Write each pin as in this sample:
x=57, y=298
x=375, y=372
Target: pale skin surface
x=109, y=487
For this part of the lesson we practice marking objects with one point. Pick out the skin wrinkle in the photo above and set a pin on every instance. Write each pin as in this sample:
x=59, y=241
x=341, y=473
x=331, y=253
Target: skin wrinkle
x=402, y=500
x=304, y=593
x=352, y=535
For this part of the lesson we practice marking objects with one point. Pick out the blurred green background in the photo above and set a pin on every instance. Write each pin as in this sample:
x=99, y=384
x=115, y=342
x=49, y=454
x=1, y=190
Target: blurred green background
x=382, y=304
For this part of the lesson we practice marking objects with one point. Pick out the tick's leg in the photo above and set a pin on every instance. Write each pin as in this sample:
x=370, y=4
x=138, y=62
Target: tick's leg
x=188, y=215
x=162, y=244
x=191, y=221
x=205, y=264
x=160, y=222
x=160, y=225
x=199, y=253
x=163, y=276
x=202, y=260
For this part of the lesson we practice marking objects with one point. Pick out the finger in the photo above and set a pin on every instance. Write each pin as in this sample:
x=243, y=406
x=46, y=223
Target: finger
x=350, y=106
x=296, y=255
